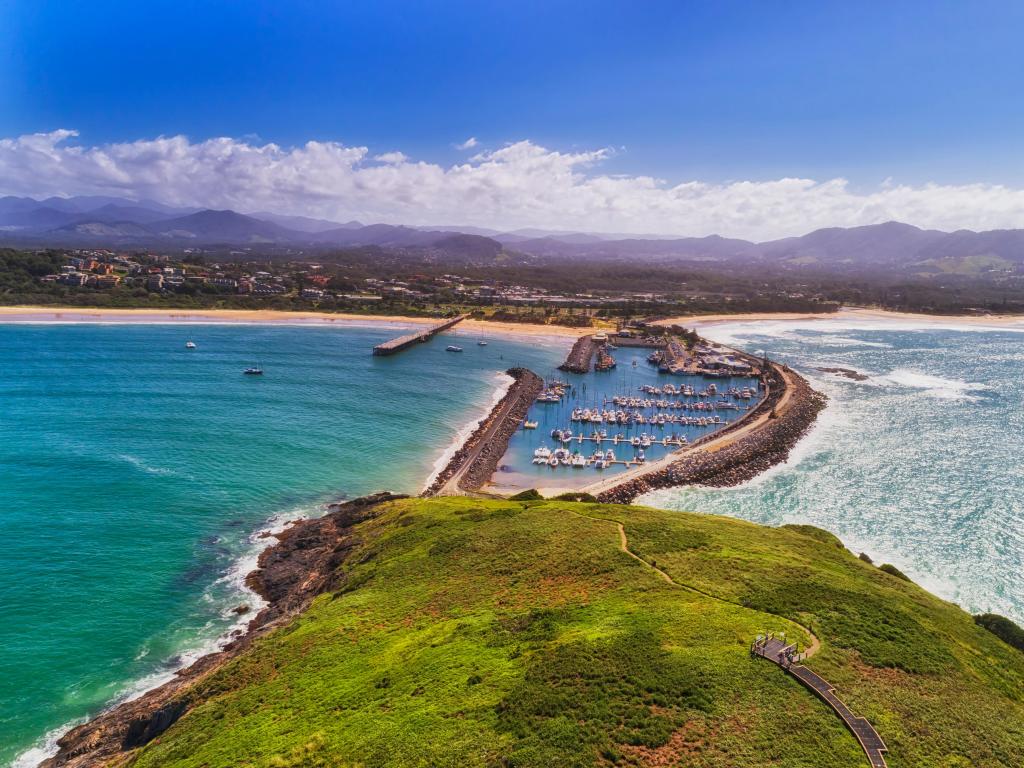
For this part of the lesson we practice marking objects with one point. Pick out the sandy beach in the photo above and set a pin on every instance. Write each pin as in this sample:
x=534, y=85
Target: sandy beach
x=846, y=314
x=29, y=314
x=41, y=314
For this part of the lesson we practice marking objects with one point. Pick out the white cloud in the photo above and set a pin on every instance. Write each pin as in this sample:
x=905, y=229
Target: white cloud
x=393, y=158
x=468, y=143
x=520, y=185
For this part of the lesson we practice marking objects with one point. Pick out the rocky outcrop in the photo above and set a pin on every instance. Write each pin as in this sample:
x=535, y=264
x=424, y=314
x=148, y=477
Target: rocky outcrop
x=746, y=457
x=303, y=564
x=477, y=459
x=582, y=352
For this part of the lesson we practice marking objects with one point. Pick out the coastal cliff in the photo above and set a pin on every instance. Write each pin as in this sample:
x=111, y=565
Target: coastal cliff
x=473, y=632
x=304, y=563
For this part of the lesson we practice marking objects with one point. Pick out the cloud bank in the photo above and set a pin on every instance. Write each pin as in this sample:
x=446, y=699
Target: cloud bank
x=518, y=185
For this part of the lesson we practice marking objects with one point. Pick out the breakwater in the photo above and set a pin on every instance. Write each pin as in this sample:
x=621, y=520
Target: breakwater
x=579, y=357
x=418, y=337
x=304, y=563
x=477, y=459
x=742, y=450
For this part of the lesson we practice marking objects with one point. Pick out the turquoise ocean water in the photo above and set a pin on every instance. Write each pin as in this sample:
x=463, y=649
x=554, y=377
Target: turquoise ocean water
x=921, y=465
x=134, y=475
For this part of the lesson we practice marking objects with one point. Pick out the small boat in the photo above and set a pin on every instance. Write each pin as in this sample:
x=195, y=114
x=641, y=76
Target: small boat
x=452, y=348
x=529, y=425
x=481, y=343
x=542, y=453
x=190, y=344
x=253, y=370
x=553, y=461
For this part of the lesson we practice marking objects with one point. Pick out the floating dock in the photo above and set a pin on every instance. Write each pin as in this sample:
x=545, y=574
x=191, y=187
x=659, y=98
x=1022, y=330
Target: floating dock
x=419, y=337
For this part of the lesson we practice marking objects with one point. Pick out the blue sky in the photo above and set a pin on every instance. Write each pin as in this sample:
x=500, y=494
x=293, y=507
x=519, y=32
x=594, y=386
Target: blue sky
x=714, y=91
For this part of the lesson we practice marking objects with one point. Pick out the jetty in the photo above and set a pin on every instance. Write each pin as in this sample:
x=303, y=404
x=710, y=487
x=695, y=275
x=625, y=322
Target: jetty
x=477, y=459
x=784, y=655
x=582, y=352
x=418, y=337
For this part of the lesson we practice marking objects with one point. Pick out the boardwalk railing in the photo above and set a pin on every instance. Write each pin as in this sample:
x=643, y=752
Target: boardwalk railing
x=778, y=652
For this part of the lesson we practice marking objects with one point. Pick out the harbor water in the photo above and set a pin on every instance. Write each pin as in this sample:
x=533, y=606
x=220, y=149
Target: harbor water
x=596, y=391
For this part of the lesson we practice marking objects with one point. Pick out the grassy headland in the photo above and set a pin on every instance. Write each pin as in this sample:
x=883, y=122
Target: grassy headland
x=467, y=632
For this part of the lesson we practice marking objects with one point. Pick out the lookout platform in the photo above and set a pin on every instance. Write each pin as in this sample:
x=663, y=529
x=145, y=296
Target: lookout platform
x=778, y=652
x=419, y=337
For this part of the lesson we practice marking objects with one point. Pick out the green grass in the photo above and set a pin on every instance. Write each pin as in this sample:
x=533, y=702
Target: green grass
x=501, y=634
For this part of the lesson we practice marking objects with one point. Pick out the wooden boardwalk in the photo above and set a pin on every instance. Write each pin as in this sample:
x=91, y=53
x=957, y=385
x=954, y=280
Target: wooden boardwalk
x=778, y=652
x=418, y=337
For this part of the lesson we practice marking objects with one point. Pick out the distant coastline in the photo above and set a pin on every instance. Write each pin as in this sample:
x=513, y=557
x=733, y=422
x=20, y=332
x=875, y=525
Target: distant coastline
x=49, y=314
x=864, y=314
x=76, y=314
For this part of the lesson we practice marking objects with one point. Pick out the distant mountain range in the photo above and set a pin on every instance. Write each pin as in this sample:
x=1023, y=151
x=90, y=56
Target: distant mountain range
x=891, y=247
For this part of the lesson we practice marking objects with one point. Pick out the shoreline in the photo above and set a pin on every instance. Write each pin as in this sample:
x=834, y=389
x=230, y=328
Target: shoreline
x=30, y=314
x=475, y=461
x=289, y=574
x=854, y=314
x=13, y=315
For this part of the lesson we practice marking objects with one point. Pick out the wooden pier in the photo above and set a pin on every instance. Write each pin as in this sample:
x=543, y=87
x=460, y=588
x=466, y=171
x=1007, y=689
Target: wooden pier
x=419, y=337
x=778, y=652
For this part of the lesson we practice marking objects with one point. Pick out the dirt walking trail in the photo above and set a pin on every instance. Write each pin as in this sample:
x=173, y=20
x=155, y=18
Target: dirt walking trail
x=812, y=649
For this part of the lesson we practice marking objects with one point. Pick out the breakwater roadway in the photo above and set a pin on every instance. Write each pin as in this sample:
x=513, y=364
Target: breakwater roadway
x=579, y=357
x=741, y=451
x=477, y=459
x=418, y=337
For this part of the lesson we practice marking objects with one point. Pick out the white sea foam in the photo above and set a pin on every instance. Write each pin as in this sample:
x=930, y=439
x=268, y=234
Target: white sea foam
x=740, y=332
x=505, y=383
x=932, y=386
x=212, y=637
x=138, y=463
x=44, y=748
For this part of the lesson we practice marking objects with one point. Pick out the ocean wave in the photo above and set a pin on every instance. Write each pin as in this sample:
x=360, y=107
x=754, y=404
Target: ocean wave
x=138, y=463
x=505, y=382
x=741, y=333
x=226, y=592
x=44, y=748
x=933, y=386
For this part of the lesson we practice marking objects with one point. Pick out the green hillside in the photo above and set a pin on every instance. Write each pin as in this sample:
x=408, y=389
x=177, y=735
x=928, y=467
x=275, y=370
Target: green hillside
x=504, y=634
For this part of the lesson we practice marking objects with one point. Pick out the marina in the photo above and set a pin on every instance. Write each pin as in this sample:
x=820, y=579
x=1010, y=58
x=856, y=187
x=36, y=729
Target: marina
x=584, y=427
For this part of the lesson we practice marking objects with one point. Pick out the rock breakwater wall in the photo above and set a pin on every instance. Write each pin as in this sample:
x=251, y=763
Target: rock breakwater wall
x=746, y=457
x=580, y=356
x=477, y=459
